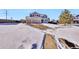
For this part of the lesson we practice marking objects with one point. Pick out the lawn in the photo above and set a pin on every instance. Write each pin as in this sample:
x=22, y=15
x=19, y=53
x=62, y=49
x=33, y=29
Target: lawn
x=49, y=42
x=39, y=26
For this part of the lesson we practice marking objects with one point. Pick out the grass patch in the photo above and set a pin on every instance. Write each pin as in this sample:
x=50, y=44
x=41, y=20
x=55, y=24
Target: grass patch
x=39, y=26
x=49, y=42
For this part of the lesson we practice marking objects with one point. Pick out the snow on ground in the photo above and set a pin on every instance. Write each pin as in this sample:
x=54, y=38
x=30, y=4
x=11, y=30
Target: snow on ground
x=70, y=33
x=24, y=36
x=50, y=25
x=19, y=36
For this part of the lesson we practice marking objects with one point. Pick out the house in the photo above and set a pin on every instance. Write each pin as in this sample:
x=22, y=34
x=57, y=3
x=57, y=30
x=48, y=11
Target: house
x=37, y=18
x=76, y=19
x=35, y=14
x=53, y=21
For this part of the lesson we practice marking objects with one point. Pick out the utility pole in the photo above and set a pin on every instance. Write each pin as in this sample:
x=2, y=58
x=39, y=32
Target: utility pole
x=6, y=14
x=11, y=18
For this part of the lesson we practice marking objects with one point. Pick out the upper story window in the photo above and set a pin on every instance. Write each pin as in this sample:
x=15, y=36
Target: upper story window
x=35, y=14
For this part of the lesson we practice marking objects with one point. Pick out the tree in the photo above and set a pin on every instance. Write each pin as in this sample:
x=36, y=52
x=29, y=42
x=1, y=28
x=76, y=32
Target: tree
x=65, y=17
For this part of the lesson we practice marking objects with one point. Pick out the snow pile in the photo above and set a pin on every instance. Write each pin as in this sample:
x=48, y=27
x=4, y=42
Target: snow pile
x=70, y=34
x=19, y=36
x=51, y=25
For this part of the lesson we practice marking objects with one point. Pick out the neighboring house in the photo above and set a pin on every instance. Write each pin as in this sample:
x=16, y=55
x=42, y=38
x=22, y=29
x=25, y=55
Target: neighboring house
x=37, y=18
x=53, y=22
x=76, y=19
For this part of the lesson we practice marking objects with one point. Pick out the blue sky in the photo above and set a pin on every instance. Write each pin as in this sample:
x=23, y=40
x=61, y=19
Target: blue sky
x=18, y=14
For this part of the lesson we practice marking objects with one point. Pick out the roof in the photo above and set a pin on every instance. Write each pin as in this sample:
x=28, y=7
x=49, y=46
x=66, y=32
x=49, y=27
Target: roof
x=77, y=15
x=35, y=13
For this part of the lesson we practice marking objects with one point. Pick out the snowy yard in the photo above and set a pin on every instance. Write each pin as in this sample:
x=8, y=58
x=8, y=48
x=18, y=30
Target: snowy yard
x=22, y=36
x=19, y=36
x=69, y=33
